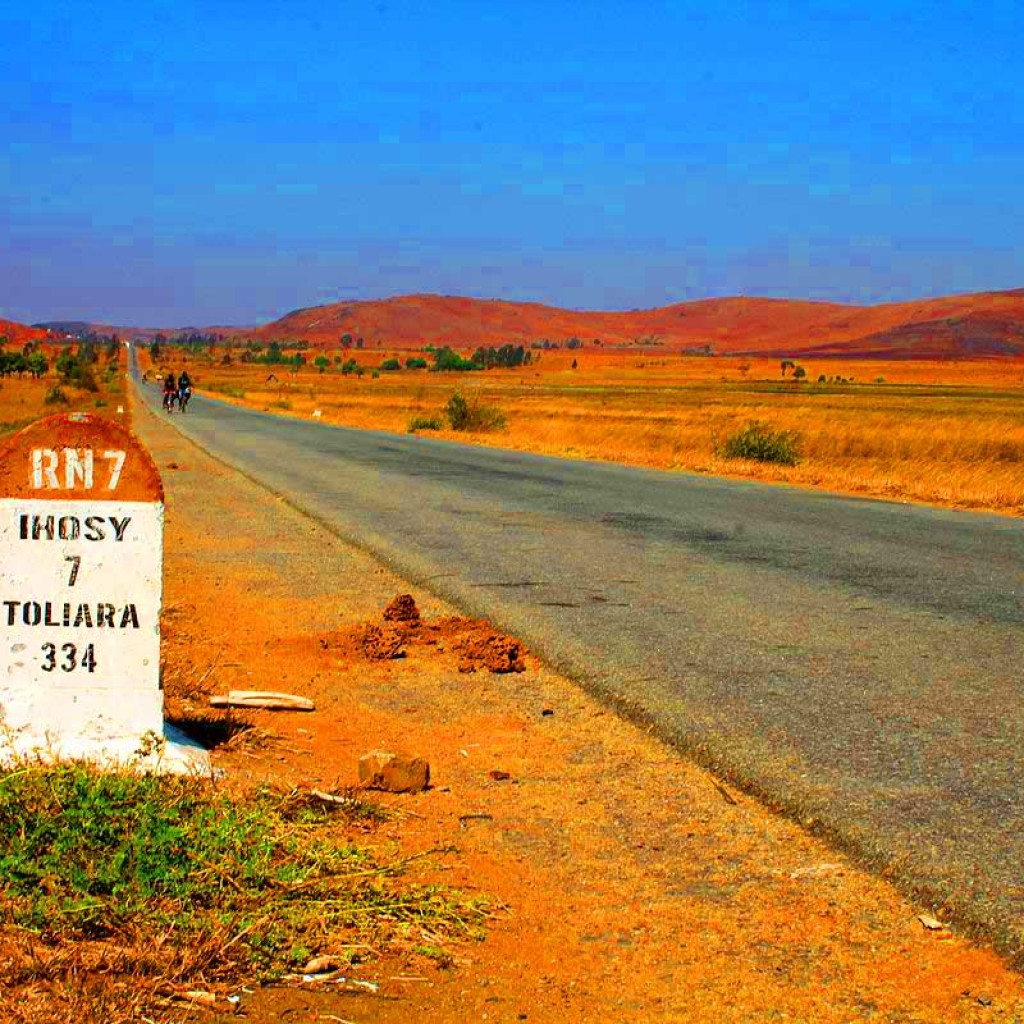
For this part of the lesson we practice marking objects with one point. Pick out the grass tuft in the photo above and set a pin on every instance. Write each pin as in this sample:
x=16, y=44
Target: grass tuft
x=762, y=444
x=470, y=414
x=424, y=423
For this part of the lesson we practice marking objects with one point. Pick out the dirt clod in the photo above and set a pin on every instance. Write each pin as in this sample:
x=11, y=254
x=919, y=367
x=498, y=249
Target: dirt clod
x=474, y=643
x=402, y=609
x=492, y=651
x=381, y=644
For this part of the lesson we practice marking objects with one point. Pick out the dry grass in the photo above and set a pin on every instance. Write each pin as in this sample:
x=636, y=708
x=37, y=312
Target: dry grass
x=23, y=400
x=944, y=433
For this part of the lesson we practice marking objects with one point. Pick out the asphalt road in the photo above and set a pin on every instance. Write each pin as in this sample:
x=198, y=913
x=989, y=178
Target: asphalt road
x=856, y=663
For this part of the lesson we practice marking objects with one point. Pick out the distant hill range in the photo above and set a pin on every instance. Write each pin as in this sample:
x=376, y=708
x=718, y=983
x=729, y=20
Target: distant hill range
x=75, y=329
x=18, y=334
x=982, y=325
x=978, y=326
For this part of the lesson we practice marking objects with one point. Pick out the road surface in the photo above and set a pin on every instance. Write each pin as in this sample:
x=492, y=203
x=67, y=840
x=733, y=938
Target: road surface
x=856, y=663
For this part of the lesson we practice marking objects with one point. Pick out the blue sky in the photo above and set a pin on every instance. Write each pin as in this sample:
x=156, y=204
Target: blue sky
x=224, y=162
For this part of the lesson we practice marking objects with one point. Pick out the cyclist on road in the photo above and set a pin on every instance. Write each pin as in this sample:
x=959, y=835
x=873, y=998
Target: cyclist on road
x=184, y=389
x=170, y=391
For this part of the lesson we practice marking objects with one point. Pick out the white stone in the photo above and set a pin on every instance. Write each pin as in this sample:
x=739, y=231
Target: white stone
x=80, y=622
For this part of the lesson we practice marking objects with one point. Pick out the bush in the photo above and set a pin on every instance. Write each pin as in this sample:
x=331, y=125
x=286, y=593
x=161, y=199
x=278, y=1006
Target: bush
x=391, y=364
x=424, y=423
x=415, y=363
x=471, y=415
x=56, y=396
x=447, y=360
x=762, y=444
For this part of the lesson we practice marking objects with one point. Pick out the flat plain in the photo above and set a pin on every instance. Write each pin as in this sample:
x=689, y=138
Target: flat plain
x=942, y=432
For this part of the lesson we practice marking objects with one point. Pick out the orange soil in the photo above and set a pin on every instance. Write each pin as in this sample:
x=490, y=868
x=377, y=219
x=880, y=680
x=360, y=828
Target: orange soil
x=630, y=885
x=989, y=323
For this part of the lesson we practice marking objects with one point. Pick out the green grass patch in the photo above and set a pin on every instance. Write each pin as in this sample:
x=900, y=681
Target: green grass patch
x=190, y=884
x=762, y=444
x=424, y=423
x=471, y=414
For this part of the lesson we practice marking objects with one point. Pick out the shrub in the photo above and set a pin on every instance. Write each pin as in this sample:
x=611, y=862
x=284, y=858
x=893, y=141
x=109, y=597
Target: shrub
x=391, y=364
x=472, y=415
x=424, y=423
x=447, y=360
x=762, y=444
x=56, y=396
x=415, y=363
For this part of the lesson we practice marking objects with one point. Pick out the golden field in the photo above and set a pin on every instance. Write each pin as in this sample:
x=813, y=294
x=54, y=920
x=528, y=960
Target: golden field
x=948, y=433
x=23, y=399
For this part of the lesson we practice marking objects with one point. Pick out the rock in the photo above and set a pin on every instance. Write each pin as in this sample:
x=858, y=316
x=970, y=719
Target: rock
x=498, y=775
x=931, y=923
x=393, y=773
x=402, y=609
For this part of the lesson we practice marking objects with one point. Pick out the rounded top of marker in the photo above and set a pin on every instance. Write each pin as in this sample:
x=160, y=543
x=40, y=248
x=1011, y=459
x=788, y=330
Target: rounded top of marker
x=78, y=456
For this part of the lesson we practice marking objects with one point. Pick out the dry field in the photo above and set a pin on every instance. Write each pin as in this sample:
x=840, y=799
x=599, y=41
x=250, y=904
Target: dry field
x=23, y=400
x=948, y=433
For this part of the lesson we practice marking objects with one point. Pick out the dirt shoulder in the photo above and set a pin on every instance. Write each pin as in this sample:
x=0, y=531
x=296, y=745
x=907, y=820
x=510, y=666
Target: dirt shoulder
x=629, y=884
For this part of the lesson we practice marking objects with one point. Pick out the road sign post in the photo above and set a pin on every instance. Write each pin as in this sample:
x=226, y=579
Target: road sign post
x=81, y=561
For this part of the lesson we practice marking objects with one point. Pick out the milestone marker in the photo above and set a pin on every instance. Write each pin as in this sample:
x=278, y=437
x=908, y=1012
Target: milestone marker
x=81, y=560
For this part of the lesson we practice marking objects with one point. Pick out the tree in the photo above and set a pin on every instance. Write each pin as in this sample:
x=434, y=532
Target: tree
x=799, y=373
x=38, y=364
x=787, y=364
x=321, y=363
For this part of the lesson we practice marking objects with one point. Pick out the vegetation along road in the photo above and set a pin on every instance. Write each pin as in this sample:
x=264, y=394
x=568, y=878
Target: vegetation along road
x=856, y=663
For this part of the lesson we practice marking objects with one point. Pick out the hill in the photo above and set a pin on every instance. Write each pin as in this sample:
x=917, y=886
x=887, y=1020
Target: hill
x=981, y=325
x=18, y=334
x=87, y=328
